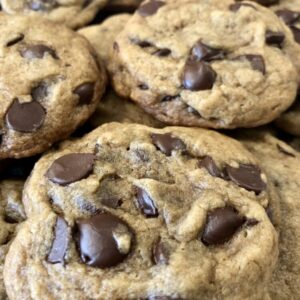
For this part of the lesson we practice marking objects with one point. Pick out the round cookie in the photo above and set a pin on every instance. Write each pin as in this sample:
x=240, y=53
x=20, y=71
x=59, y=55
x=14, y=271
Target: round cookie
x=74, y=13
x=290, y=120
x=113, y=108
x=102, y=36
x=282, y=164
x=133, y=212
x=51, y=83
x=211, y=65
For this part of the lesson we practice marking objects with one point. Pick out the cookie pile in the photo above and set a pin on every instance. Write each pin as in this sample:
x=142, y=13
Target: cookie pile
x=115, y=183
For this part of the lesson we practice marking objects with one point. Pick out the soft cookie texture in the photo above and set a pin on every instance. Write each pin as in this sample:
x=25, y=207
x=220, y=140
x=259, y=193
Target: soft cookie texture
x=113, y=108
x=51, y=82
x=200, y=63
x=74, y=13
x=102, y=36
x=282, y=165
x=122, y=212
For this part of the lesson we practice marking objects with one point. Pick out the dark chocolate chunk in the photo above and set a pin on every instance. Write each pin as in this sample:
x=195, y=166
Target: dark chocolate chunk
x=85, y=92
x=289, y=17
x=275, y=38
x=166, y=143
x=236, y=6
x=221, y=225
x=198, y=76
x=296, y=33
x=25, y=117
x=146, y=204
x=247, y=176
x=257, y=62
x=15, y=40
x=71, y=168
x=103, y=240
x=60, y=243
x=209, y=164
x=37, y=51
x=150, y=8
x=200, y=51
x=40, y=92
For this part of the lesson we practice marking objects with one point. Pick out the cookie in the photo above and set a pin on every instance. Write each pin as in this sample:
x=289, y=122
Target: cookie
x=51, y=83
x=290, y=120
x=113, y=108
x=211, y=65
x=11, y=214
x=133, y=212
x=103, y=36
x=282, y=164
x=74, y=14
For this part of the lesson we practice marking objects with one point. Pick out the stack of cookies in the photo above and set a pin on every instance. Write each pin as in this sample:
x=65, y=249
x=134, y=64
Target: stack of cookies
x=149, y=150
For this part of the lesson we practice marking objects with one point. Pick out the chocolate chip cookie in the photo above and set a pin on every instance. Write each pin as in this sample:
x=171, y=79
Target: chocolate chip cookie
x=74, y=13
x=282, y=164
x=11, y=214
x=205, y=64
x=113, y=108
x=51, y=82
x=290, y=120
x=133, y=212
x=103, y=36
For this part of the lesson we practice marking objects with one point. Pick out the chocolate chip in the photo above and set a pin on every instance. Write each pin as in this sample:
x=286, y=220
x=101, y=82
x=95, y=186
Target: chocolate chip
x=166, y=143
x=236, y=6
x=296, y=33
x=37, y=51
x=143, y=87
x=25, y=117
x=146, y=204
x=85, y=92
x=257, y=62
x=161, y=254
x=71, y=168
x=162, y=52
x=275, y=38
x=247, y=176
x=284, y=151
x=200, y=51
x=142, y=44
x=60, y=243
x=266, y=2
x=169, y=98
x=209, y=164
x=198, y=76
x=221, y=225
x=162, y=298
x=251, y=222
x=40, y=92
x=103, y=240
x=150, y=8
x=112, y=202
x=289, y=17
x=17, y=39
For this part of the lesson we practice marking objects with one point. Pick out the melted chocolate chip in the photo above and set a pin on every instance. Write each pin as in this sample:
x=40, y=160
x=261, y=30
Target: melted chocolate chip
x=142, y=44
x=161, y=254
x=247, y=176
x=150, y=8
x=71, y=168
x=221, y=225
x=236, y=6
x=17, y=39
x=209, y=164
x=37, y=51
x=60, y=243
x=257, y=62
x=103, y=240
x=85, y=92
x=275, y=38
x=200, y=51
x=266, y=2
x=166, y=143
x=198, y=76
x=25, y=117
x=296, y=33
x=40, y=92
x=289, y=17
x=146, y=204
